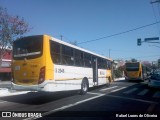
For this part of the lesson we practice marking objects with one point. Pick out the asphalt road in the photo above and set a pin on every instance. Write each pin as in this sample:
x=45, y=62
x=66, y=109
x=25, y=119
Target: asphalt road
x=120, y=100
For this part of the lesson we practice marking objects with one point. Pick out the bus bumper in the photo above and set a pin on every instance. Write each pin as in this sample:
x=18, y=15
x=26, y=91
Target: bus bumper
x=48, y=86
x=25, y=88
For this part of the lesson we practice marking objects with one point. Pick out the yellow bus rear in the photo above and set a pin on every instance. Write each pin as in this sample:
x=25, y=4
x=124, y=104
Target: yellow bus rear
x=31, y=62
x=133, y=71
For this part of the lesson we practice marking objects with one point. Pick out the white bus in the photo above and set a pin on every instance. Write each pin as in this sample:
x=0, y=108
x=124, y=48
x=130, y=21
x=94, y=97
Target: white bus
x=44, y=63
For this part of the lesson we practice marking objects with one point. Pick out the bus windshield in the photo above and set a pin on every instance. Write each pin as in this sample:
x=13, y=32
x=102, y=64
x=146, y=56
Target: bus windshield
x=132, y=66
x=28, y=47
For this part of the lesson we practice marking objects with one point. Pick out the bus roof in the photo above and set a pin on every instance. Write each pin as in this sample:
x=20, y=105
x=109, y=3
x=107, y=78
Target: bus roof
x=76, y=47
x=70, y=45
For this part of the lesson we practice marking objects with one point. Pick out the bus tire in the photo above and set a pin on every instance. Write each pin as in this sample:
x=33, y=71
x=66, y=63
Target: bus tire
x=84, y=87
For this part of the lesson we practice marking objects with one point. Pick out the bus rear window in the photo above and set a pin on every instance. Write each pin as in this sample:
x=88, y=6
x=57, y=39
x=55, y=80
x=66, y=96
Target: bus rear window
x=132, y=66
x=28, y=47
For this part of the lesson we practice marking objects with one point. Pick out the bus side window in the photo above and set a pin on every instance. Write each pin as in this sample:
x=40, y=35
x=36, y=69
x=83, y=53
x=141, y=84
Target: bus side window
x=79, y=58
x=100, y=63
x=87, y=60
x=104, y=64
x=55, y=52
x=109, y=65
x=67, y=55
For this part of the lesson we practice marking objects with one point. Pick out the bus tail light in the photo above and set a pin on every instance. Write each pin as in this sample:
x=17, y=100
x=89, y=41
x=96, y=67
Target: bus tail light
x=41, y=75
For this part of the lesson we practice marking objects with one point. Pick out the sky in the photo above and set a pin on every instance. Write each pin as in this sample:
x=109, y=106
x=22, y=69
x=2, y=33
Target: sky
x=87, y=20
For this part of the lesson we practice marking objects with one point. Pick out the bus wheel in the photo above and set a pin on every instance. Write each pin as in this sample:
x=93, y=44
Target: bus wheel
x=84, y=87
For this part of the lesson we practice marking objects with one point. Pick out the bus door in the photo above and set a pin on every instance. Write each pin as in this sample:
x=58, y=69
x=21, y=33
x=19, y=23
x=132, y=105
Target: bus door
x=95, y=71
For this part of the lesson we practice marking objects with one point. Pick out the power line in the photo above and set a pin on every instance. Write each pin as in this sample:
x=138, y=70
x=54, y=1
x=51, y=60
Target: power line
x=154, y=13
x=141, y=57
x=134, y=29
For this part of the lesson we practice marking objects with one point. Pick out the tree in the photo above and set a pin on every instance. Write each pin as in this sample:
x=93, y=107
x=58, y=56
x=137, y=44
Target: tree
x=147, y=64
x=119, y=72
x=11, y=28
x=133, y=60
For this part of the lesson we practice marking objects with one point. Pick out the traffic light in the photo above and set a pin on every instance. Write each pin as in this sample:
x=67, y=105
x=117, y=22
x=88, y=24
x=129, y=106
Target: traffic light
x=139, y=42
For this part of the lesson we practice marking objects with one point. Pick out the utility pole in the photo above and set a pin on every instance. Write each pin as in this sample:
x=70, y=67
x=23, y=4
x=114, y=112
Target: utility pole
x=61, y=36
x=109, y=52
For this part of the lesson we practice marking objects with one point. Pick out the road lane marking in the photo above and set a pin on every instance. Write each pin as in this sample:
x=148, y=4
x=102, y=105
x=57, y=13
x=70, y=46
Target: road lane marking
x=157, y=94
x=108, y=88
x=66, y=106
x=130, y=91
x=118, y=89
x=133, y=99
x=95, y=93
x=3, y=102
x=143, y=92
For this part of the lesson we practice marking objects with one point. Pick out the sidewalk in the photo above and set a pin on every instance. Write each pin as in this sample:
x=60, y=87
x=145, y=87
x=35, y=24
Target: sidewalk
x=118, y=79
x=6, y=90
x=4, y=87
x=5, y=84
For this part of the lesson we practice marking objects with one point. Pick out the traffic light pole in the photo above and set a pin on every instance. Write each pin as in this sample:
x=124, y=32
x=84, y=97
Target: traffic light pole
x=148, y=40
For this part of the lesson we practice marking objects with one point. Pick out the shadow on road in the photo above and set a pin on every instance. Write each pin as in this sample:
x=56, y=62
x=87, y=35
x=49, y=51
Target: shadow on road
x=38, y=98
x=129, y=81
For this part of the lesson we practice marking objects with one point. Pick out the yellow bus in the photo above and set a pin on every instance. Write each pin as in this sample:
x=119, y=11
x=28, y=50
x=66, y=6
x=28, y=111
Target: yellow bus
x=135, y=71
x=44, y=63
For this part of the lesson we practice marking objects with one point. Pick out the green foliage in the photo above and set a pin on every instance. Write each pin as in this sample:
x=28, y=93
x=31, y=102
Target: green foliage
x=119, y=72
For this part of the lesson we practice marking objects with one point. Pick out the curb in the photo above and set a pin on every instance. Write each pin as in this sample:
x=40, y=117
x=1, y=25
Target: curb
x=14, y=93
x=6, y=92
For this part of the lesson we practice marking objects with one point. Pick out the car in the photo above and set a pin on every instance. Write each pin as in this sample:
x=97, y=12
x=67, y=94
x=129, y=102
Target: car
x=154, y=80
